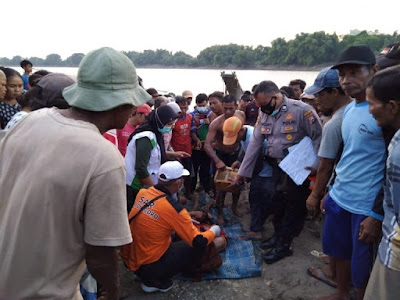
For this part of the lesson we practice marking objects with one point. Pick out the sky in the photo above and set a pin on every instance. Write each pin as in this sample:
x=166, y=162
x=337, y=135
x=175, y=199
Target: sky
x=42, y=27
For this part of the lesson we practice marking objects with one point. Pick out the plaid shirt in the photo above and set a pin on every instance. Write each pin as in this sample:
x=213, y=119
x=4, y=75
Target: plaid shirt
x=389, y=248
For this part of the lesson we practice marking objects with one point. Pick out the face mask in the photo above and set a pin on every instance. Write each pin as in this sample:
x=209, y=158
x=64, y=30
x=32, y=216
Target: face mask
x=165, y=129
x=202, y=110
x=269, y=109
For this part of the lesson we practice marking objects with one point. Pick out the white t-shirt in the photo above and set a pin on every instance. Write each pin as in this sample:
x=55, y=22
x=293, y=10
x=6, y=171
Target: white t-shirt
x=18, y=116
x=61, y=185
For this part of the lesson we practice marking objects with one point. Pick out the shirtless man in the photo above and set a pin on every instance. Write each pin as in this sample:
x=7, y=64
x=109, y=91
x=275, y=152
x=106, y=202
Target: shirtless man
x=223, y=155
x=215, y=102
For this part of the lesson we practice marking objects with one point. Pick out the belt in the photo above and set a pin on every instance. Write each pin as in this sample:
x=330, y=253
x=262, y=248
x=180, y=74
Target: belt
x=272, y=160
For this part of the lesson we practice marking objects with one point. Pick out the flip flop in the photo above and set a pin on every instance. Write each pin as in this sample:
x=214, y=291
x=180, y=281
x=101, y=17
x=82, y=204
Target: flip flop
x=250, y=238
x=321, y=276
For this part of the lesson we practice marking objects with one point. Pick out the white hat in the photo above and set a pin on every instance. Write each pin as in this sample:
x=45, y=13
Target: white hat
x=171, y=170
x=175, y=107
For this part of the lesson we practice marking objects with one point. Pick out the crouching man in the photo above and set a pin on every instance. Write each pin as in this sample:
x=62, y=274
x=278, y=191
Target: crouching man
x=154, y=217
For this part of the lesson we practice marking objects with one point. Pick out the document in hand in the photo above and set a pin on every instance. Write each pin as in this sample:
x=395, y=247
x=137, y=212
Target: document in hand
x=301, y=156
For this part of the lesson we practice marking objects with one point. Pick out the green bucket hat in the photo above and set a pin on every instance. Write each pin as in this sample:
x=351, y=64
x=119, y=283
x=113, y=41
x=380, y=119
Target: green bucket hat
x=106, y=79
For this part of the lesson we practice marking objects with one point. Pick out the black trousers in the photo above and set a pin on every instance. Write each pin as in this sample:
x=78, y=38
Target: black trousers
x=179, y=257
x=262, y=190
x=281, y=197
x=201, y=164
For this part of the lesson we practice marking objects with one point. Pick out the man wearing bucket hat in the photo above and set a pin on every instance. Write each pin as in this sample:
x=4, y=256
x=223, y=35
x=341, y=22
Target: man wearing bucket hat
x=75, y=210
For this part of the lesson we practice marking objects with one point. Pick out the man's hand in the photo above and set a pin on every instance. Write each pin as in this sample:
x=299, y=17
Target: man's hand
x=181, y=154
x=236, y=165
x=198, y=144
x=321, y=205
x=220, y=165
x=196, y=214
x=102, y=263
x=312, y=204
x=206, y=121
x=239, y=180
x=370, y=230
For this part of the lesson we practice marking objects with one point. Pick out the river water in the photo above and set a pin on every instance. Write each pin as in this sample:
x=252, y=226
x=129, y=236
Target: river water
x=205, y=80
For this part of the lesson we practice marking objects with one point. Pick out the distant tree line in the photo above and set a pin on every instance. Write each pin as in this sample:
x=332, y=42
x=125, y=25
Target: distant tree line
x=307, y=49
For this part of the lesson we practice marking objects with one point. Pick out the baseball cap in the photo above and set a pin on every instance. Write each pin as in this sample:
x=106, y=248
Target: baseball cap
x=357, y=55
x=327, y=78
x=52, y=86
x=106, y=79
x=187, y=94
x=390, y=56
x=171, y=170
x=144, y=109
x=230, y=129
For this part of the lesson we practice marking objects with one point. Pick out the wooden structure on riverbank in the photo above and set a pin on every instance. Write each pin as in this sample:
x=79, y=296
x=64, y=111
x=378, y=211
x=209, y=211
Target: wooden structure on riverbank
x=232, y=85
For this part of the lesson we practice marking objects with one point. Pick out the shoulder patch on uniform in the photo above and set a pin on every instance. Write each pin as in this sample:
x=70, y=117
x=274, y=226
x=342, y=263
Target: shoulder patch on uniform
x=308, y=113
x=175, y=204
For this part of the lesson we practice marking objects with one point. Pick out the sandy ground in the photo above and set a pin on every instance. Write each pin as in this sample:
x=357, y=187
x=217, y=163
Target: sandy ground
x=286, y=279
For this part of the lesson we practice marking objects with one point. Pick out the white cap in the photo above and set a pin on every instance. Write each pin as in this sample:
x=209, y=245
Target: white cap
x=175, y=107
x=171, y=170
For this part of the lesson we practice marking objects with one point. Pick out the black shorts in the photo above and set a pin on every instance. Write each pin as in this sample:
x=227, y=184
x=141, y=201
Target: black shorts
x=187, y=164
x=228, y=158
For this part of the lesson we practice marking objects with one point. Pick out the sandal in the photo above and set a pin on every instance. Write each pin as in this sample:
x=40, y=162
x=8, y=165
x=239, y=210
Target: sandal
x=321, y=276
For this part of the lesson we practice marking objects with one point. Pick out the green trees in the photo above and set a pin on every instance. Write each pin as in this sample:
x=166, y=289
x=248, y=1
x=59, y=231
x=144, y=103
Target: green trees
x=306, y=49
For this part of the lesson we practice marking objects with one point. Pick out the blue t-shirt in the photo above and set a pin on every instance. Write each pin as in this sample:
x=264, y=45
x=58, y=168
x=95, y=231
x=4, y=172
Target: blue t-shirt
x=25, y=80
x=361, y=168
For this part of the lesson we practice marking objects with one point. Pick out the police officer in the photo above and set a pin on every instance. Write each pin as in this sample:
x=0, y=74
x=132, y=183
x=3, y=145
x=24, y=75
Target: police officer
x=283, y=122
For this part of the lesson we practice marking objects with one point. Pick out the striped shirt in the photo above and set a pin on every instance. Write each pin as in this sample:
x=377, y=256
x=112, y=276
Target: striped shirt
x=389, y=248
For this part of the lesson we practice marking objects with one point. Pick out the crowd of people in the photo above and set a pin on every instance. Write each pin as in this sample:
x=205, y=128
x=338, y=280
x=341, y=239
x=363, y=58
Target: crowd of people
x=96, y=167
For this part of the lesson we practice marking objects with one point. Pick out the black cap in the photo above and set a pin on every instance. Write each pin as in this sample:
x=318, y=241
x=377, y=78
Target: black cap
x=357, y=55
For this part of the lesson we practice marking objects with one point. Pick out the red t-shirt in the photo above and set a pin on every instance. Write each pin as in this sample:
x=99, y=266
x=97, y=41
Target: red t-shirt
x=181, y=135
x=123, y=135
x=111, y=135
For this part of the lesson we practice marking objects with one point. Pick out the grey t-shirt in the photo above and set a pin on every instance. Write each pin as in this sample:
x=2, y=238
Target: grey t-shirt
x=332, y=136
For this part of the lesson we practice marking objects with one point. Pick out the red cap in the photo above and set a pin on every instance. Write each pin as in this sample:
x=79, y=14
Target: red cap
x=144, y=109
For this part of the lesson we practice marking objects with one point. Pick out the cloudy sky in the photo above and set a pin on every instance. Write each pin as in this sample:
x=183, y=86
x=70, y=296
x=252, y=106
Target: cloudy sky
x=41, y=27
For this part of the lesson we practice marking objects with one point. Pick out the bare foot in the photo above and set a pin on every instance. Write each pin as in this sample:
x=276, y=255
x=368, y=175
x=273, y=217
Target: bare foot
x=335, y=296
x=325, y=273
x=251, y=235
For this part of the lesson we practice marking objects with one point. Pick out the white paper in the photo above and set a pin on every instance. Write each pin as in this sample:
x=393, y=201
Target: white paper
x=299, y=157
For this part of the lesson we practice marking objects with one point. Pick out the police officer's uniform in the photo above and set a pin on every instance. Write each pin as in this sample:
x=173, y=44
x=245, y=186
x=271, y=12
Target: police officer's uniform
x=284, y=198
